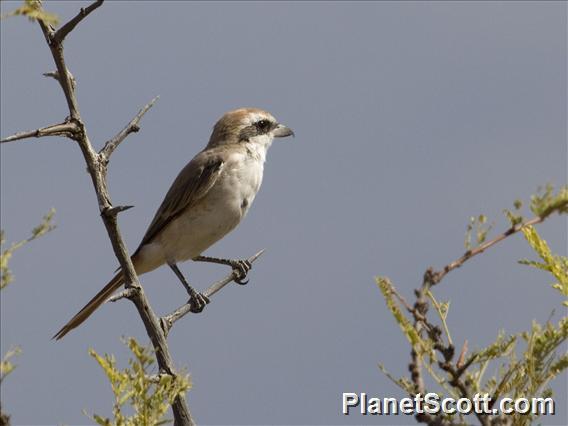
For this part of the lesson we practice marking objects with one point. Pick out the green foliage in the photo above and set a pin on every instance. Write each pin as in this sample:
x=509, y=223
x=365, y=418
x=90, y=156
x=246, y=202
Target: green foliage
x=402, y=382
x=529, y=376
x=515, y=217
x=540, y=365
x=44, y=227
x=443, y=309
x=33, y=10
x=502, y=346
x=405, y=325
x=521, y=365
x=6, y=277
x=6, y=366
x=542, y=204
x=545, y=202
x=555, y=264
x=477, y=224
x=148, y=396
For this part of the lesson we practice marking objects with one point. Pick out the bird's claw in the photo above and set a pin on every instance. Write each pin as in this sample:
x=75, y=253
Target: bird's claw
x=197, y=302
x=241, y=267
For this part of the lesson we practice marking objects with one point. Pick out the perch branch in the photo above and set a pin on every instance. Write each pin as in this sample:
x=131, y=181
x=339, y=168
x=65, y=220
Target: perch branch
x=168, y=321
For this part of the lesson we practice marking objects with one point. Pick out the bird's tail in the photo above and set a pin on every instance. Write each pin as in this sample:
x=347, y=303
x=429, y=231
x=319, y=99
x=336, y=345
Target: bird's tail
x=92, y=306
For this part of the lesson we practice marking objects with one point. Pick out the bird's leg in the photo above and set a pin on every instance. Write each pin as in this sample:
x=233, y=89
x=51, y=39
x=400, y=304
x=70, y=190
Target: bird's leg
x=196, y=299
x=241, y=266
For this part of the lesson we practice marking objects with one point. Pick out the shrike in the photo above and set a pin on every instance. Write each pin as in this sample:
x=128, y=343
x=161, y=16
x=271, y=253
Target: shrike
x=206, y=201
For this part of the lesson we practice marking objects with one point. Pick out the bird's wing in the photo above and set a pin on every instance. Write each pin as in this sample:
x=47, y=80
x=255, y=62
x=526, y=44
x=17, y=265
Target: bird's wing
x=191, y=184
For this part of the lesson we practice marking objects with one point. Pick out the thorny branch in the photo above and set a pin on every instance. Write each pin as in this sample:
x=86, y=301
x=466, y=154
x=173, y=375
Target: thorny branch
x=97, y=169
x=168, y=321
x=74, y=128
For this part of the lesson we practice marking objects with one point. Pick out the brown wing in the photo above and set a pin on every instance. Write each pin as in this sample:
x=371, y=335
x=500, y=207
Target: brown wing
x=191, y=184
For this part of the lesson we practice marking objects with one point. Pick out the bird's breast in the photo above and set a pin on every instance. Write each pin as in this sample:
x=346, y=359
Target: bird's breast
x=217, y=213
x=240, y=183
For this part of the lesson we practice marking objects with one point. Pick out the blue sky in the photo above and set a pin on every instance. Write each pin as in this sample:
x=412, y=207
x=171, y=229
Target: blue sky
x=409, y=118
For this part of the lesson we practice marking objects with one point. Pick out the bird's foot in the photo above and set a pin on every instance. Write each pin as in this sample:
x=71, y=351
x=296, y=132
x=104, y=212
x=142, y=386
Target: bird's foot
x=197, y=301
x=241, y=267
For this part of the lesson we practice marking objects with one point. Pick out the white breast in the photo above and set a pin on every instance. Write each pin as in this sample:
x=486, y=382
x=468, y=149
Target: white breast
x=218, y=213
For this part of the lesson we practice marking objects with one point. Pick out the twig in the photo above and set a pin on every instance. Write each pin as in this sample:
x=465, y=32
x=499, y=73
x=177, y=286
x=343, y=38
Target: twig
x=62, y=32
x=124, y=294
x=168, y=321
x=437, y=276
x=461, y=359
x=62, y=129
x=131, y=127
x=401, y=299
x=442, y=316
x=55, y=76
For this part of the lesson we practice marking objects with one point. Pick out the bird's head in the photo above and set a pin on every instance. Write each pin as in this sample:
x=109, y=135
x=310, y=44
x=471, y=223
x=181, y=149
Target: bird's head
x=251, y=125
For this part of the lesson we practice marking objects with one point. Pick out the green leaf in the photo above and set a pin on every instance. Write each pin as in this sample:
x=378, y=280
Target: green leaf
x=404, y=324
x=44, y=227
x=545, y=202
x=555, y=265
x=32, y=9
x=148, y=399
x=6, y=366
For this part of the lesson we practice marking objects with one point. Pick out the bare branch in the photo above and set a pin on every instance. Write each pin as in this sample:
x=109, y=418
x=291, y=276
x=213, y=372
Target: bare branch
x=131, y=127
x=62, y=32
x=168, y=321
x=437, y=276
x=62, y=129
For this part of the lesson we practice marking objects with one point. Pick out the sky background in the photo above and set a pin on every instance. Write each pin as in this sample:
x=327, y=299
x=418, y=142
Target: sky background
x=409, y=119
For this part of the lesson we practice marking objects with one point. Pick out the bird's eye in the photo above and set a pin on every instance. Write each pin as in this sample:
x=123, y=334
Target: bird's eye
x=263, y=125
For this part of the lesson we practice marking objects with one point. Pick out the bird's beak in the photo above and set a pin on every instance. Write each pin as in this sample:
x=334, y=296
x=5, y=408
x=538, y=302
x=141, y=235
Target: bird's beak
x=282, y=131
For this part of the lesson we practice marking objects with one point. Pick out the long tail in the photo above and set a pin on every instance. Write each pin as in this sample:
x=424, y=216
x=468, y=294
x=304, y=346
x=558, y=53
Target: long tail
x=91, y=307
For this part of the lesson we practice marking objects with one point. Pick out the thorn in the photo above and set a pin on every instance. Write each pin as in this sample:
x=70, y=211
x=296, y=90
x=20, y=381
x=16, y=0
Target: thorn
x=256, y=256
x=116, y=210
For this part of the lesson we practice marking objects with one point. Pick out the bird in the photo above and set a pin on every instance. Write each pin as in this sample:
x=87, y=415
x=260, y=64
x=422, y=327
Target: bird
x=207, y=200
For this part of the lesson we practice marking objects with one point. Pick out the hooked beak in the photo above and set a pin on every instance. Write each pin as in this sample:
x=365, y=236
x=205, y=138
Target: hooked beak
x=282, y=131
